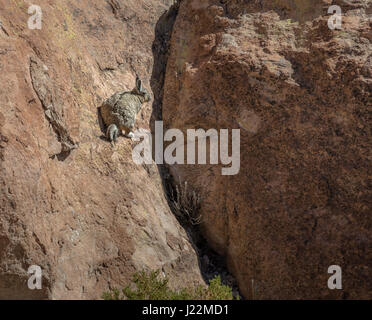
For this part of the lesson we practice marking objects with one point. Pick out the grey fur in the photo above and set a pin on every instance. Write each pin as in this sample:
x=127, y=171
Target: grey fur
x=119, y=112
x=112, y=132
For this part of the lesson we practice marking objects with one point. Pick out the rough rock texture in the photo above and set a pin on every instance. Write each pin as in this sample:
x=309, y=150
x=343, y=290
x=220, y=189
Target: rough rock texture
x=71, y=203
x=300, y=94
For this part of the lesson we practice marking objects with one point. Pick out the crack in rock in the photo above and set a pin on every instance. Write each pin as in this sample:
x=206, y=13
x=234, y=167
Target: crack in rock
x=44, y=87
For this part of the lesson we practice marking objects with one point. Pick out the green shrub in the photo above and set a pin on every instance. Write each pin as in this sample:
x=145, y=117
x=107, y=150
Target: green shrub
x=148, y=286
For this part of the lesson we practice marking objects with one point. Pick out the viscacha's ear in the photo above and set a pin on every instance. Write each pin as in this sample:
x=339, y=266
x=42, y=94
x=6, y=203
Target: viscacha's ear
x=139, y=84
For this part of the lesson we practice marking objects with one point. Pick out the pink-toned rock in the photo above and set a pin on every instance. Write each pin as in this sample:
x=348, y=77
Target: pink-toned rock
x=299, y=92
x=70, y=203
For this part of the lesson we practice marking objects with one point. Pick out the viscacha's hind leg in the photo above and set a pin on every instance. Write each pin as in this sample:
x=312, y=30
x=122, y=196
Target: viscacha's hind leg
x=112, y=133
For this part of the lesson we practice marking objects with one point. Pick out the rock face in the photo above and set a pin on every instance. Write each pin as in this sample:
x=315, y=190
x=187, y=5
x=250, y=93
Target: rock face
x=299, y=93
x=71, y=203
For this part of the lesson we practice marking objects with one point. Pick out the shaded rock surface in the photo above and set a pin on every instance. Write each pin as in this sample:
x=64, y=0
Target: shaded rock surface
x=300, y=93
x=71, y=203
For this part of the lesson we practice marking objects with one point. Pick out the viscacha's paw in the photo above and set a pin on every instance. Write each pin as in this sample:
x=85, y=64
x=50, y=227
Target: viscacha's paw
x=130, y=135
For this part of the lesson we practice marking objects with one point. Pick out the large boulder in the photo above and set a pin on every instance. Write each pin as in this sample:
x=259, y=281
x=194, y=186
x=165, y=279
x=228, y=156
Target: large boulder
x=299, y=92
x=70, y=202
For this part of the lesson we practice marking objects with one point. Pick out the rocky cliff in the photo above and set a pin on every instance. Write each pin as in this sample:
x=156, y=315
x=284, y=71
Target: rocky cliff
x=300, y=93
x=84, y=212
x=70, y=203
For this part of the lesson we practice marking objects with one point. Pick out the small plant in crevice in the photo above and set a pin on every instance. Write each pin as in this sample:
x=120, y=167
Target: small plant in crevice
x=149, y=286
x=185, y=203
